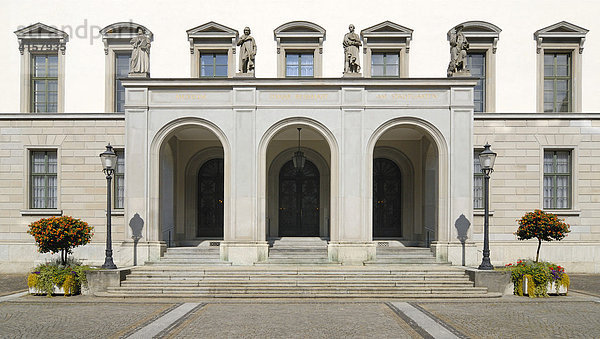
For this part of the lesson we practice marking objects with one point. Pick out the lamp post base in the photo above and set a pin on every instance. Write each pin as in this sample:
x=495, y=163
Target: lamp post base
x=486, y=264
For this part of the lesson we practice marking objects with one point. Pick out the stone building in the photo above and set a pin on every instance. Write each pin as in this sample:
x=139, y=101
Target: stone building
x=209, y=153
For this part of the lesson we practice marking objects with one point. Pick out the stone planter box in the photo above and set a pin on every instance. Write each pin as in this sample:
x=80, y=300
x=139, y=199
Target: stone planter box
x=55, y=290
x=550, y=288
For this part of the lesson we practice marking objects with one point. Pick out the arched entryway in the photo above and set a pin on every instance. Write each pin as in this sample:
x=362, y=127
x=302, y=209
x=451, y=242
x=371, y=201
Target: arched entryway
x=299, y=195
x=405, y=182
x=298, y=203
x=193, y=183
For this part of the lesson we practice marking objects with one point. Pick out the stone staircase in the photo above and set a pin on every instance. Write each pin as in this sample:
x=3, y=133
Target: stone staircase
x=297, y=268
x=298, y=251
x=185, y=256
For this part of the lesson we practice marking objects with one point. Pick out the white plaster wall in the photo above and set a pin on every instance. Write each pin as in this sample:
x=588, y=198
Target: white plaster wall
x=429, y=19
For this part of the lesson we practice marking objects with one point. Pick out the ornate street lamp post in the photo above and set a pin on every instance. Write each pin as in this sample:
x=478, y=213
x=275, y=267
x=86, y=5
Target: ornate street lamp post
x=109, y=162
x=486, y=160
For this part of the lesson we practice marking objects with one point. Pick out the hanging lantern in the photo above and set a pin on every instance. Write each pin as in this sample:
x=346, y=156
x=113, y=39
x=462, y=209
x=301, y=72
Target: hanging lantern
x=299, y=157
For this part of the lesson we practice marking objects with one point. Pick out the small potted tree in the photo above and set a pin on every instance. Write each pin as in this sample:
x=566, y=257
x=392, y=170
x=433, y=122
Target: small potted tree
x=59, y=235
x=533, y=277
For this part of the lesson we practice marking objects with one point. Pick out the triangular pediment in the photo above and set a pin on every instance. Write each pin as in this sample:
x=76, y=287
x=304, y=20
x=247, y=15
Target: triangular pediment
x=387, y=28
x=561, y=29
x=41, y=31
x=212, y=29
x=124, y=30
x=299, y=28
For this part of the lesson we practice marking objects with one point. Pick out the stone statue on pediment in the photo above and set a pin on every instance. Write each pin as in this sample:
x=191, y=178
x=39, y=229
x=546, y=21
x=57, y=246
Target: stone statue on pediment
x=351, y=52
x=247, y=53
x=458, y=53
x=139, y=65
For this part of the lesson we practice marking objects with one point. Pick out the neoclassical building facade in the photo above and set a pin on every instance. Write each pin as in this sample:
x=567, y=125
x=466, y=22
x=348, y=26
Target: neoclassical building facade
x=210, y=154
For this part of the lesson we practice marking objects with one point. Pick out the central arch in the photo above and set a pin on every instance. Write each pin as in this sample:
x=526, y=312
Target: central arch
x=276, y=149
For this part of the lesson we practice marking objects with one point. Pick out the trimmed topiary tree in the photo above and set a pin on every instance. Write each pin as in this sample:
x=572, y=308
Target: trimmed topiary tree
x=60, y=235
x=543, y=226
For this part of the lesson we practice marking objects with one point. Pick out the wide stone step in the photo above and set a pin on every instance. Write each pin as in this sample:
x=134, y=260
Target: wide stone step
x=395, y=295
x=432, y=278
x=299, y=270
x=187, y=262
x=300, y=283
x=294, y=289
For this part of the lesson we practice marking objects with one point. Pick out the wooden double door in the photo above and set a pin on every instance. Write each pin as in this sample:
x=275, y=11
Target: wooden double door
x=299, y=200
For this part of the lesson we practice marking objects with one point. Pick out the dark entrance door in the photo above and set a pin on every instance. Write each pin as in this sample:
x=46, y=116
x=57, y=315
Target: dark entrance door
x=386, y=199
x=299, y=201
x=210, y=199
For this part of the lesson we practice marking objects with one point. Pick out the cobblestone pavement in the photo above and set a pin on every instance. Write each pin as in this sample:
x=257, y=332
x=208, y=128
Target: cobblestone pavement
x=543, y=318
x=586, y=283
x=510, y=316
x=321, y=320
x=73, y=319
x=11, y=283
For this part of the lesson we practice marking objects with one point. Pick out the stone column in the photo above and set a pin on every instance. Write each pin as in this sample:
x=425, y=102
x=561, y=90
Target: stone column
x=244, y=240
x=351, y=242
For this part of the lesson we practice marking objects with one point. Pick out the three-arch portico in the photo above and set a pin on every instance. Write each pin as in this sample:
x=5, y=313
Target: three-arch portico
x=219, y=157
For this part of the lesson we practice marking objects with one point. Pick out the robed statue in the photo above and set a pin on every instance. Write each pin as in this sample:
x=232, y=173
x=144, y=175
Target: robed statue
x=351, y=51
x=140, y=55
x=458, y=53
x=247, y=52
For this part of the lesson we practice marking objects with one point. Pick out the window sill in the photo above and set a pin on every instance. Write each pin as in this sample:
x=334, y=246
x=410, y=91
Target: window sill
x=119, y=212
x=481, y=212
x=41, y=212
x=565, y=212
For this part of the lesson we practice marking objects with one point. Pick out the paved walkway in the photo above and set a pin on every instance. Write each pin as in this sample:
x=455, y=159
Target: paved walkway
x=12, y=283
x=575, y=315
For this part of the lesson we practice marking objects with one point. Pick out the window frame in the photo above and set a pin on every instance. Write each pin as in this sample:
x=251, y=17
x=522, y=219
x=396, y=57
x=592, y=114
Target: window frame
x=214, y=64
x=116, y=81
x=212, y=37
x=116, y=175
x=385, y=53
x=34, y=40
x=562, y=37
x=386, y=37
x=46, y=175
x=485, y=79
x=116, y=39
x=299, y=37
x=478, y=175
x=300, y=53
x=33, y=78
x=554, y=175
x=483, y=38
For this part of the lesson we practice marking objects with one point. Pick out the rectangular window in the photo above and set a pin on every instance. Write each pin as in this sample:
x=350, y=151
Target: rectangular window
x=121, y=71
x=557, y=82
x=476, y=63
x=477, y=182
x=384, y=64
x=299, y=65
x=44, y=83
x=43, y=179
x=557, y=179
x=213, y=65
x=119, y=197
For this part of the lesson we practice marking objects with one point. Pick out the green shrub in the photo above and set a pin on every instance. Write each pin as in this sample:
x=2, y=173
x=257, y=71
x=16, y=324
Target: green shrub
x=538, y=275
x=70, y=277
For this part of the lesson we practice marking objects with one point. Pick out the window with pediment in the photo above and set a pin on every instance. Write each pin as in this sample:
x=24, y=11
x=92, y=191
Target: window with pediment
x=385, y=49
x=117, y=50
x=481, y=60
x=212, y=50
x=559, y=51
x=42, y=49
x=299, y=49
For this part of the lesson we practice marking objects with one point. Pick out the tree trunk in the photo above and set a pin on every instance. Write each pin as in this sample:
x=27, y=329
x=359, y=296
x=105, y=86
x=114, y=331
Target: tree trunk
x=537, y=255
x=63, y=257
